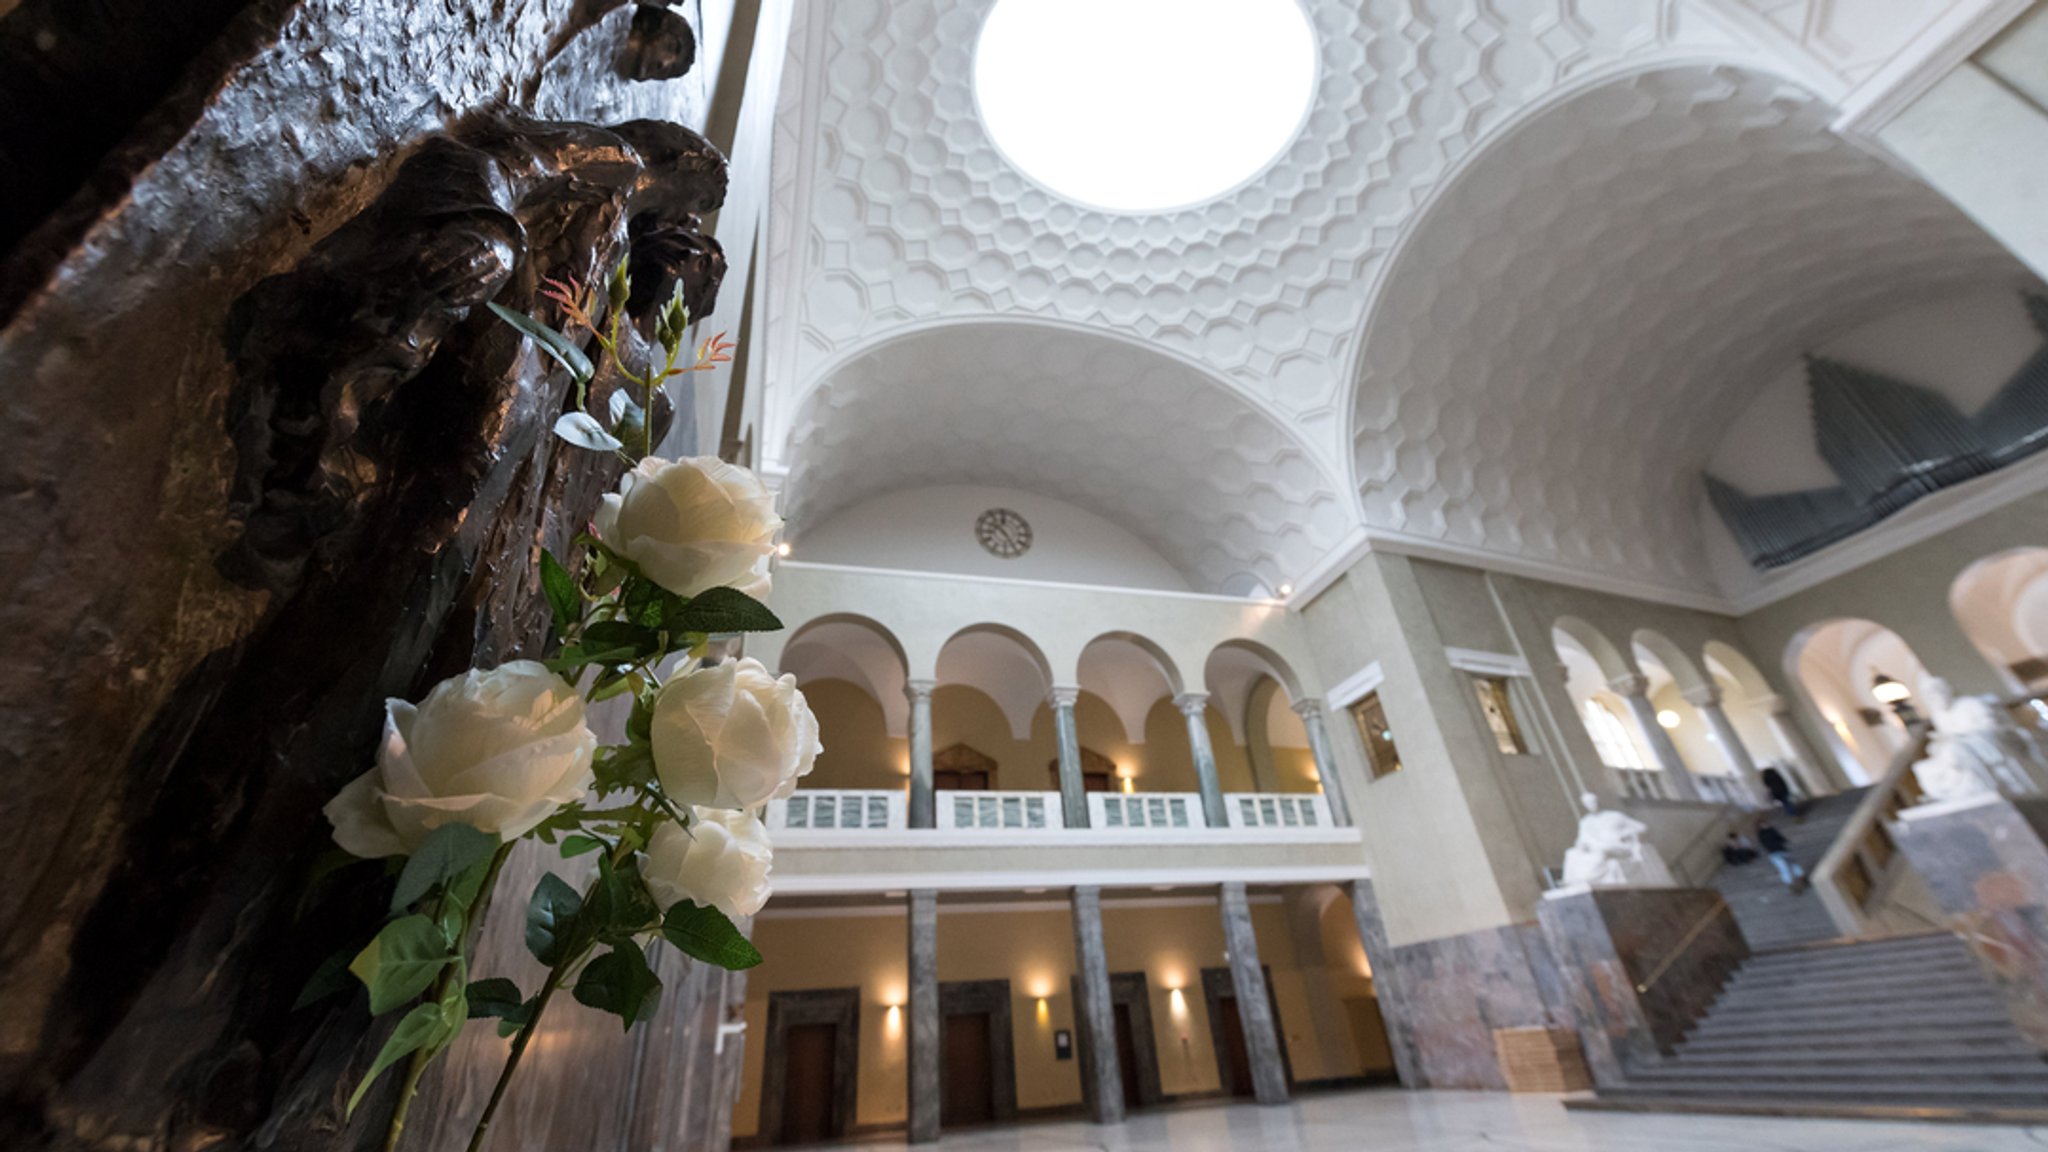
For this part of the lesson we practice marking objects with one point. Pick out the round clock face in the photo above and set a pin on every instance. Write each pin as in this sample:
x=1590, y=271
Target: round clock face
x=1003, y=532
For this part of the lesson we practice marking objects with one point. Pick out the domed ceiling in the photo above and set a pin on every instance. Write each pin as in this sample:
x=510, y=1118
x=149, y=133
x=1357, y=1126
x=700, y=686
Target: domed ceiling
x=1516, y=255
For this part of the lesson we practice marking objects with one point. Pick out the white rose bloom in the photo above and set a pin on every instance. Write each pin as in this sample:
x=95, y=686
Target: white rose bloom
x=498, y=750
x=722, y=861
x=732, y=736
x=693, y=524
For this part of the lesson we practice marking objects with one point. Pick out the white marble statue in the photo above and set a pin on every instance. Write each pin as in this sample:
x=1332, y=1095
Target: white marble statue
x=1611, y=851
x=1975, y=747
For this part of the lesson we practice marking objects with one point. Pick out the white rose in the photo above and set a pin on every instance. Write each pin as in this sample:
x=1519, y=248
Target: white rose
x=693, y=524
x=497, y=750
x=722, y=861
x=732, y=736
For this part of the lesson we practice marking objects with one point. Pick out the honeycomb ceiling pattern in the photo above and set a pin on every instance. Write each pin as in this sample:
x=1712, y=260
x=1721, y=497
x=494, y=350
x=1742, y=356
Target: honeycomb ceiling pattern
x=1220, y=489
x=905, y=212
x=1581, y=314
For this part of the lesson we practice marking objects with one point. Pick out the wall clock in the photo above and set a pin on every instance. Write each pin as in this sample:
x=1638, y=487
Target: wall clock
x=1003, y=533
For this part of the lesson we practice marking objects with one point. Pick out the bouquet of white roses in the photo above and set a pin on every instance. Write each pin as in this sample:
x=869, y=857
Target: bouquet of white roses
x=675, y=557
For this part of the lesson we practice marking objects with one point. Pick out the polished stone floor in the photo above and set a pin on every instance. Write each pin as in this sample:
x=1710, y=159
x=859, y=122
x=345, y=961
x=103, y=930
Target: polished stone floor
x=1392, y=1121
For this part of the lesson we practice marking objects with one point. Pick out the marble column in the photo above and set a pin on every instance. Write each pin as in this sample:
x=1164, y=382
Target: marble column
x=1379, y=956
x=1073, y=792
x=1636, y=690
x=1319, y=747
x=1194, y=705
x=1799, y=753
x=1254, y=1007
x=1095, y=1015
x=1708, y=702
x=924, y=810
x=924, y=1021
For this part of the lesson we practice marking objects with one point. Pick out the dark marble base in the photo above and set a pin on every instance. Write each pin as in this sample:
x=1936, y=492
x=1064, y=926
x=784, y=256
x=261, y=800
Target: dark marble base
x=1449, y=995
x=1611, y=942
x=1986, y=863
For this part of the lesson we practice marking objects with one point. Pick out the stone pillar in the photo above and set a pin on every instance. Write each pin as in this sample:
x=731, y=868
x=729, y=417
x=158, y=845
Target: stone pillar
x=1073, y=793
x=1636, y=690
x=1254, y=1007
x=1708, y=702
x=1192, y=705
x=1799, y=753
x=925, y=1025
x=1102, y=1080
x=1379, y=956
x=1311, y=713
x=924, y=811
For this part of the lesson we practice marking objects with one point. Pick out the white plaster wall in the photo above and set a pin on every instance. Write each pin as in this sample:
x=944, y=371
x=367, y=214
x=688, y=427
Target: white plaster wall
x=932, y=530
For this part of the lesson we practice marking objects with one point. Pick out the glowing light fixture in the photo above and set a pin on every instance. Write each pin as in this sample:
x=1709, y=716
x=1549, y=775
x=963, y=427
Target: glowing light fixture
x=1177, y=1003
x=1286, y=590
x=782, y=549
x=1668, y=718
x=1157, y=104
x=1887, y=690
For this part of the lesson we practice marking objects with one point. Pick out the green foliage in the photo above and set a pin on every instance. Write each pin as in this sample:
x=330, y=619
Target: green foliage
x=624, y=768
x=705, y=934
x=496, y=997
x=620, y=982
x=551, y=918
x=560, y=347
x=565, y=600
x=717, y=610
x=619, y=906
x=446, y=853
x=428, y=1027
x=578, y=845
x=401, y=962
x=330, y=977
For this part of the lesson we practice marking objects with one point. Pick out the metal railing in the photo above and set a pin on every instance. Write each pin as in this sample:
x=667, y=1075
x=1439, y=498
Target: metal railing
x=1853, y=875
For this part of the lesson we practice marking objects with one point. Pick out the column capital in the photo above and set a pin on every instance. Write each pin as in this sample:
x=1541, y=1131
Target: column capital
x=1308, y=708
x=1630, y=684
x=917, y=690
x=1064, y=697
x=1191, y=703
x=1703, y=696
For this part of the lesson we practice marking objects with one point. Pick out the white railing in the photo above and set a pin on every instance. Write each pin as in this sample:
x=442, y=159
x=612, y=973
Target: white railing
x=1277, y=810
x=999, y=810
x=831, y=808
x=1165, y=810
x=1643, y=783
x=1651, y=784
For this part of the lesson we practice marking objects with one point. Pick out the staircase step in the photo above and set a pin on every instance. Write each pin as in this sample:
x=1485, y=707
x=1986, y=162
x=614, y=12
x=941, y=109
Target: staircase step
x=2002, y=1048
x=1900, y=1090
x=1859, y=951
x=1913, y=965
x=1876, y=1020
x=1992, y=1070
x=1814, y=997
x=1997, y=1035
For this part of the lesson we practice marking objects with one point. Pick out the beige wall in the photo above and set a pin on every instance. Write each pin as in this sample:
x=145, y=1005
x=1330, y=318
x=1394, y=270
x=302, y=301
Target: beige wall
x=1169, y=939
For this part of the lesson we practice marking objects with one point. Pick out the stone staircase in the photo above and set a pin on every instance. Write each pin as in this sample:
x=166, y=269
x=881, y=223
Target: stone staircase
x=1771, y=915
x=1908, y=1025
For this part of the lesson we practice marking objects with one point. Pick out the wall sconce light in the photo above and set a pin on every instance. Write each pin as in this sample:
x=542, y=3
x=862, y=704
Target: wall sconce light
x=1888, y=691
x=1667, y=718
x=782, y=549
x=892, y=1022
x=1044, y=1013
x=1177, y=1003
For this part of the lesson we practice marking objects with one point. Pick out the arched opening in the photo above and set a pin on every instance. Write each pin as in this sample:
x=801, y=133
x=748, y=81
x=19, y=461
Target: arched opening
x=853, y=673
x=1759, y=716
x=1862, y=679
x=2001, y=604
x=990, y=712
x=1126, y=712
x=1591, y=666
x=1672, y=675
x=1268, y=748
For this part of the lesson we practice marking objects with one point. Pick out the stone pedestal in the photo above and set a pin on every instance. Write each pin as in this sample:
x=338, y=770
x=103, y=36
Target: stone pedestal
x=1639, y=967
x=1985, y=860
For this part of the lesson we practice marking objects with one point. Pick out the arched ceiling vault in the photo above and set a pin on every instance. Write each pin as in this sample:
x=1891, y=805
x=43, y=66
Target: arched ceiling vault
x=1579, y=316
x=1151, y=443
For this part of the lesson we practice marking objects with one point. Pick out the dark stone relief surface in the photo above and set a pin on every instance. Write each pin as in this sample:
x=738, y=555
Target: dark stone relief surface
x=1452, y=994
x=1608, y=941
x=1987, y=868
x=201, y=632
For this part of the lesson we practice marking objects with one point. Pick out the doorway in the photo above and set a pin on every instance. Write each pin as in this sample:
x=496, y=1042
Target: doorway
x=1137, y=1046
x=977, y=1054
x=1226, y=1029
x=812, y=1061
x=958, y=768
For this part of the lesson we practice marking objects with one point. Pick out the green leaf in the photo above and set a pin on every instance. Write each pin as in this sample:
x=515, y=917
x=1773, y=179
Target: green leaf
x=564, y=600
x=726, y=610
x=550, y=918
x=620, y=982
x=567, y=818
x=329, y=978
x=611, y=685
x=424, y=1027
x=619, y=904
x=400, y=963
x=495, y=997
x=563, y=349
x=705, y=934
x=447, y=852
x=620, y=767
x=574, y=846
x=609, y=634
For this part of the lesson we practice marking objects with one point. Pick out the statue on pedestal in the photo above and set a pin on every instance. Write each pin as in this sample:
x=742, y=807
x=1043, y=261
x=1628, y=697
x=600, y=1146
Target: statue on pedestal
x=1611, y=852
x=1975, y=748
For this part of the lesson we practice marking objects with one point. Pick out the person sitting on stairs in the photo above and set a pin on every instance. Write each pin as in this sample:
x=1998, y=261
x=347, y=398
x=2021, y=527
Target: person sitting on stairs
x=1779, y=850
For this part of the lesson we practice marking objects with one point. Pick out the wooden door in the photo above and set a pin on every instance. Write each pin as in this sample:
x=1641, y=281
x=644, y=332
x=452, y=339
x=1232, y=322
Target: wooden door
x=1230, y=1034
x=1127, y=1057
x=969, y=1093
x=808, y=1051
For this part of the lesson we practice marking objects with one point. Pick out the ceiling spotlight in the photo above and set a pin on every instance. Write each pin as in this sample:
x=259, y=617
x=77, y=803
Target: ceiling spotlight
x=1287, y=590
x=782, y=549
x=1668, y=718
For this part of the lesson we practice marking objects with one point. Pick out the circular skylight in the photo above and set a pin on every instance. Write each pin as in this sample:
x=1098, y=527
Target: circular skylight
x=1142, y=105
